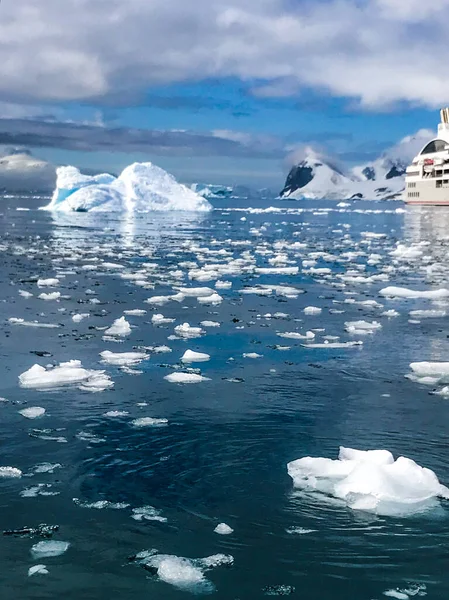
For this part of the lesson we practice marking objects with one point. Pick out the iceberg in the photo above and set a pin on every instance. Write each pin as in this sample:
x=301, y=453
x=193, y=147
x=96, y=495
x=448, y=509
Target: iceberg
x=371, y=481
x=141, y=187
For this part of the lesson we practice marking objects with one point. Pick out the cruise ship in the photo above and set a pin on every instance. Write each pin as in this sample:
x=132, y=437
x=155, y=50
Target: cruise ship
x=427, y=178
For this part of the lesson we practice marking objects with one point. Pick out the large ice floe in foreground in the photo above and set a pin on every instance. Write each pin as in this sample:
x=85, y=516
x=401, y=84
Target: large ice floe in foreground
x=371, y=481
x=141, y=187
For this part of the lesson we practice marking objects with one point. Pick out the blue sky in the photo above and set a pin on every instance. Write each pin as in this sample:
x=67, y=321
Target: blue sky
x=226, y=91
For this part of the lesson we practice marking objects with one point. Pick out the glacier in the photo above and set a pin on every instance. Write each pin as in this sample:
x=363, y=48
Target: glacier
x=141, y=187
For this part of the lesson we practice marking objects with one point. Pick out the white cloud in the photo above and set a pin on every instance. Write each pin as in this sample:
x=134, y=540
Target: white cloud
x=377, y=51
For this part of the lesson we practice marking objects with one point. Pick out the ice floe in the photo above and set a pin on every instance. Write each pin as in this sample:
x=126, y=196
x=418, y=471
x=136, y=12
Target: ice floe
x=120, y=328
x=10, y=472
x=190, y=356
x=187, y=331
x=49, y=548
x=65, y=374
x=33, y=412
x=50, y=296
x=16, y=321
x=362, y=327
x=370, y=481
x=223, y=529
x=148, y=513
x=121, y=359
x=141, y=187
x=180, y=377
x=401, y=292
x=149, y=422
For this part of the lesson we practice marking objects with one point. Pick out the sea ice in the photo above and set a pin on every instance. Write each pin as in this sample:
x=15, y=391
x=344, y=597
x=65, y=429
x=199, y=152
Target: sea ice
x=185, y=378
x=223, y=529
x=312, y=310
x=49, y=548
x=47, y=282
x=38, y=570
x=252, y=355
x=33, y=412
x=295, y=335
x=210, y=324
x=10, y=472
x=67, y=373
x=190, y=356
x=161, y=320
x=370, y=481
x=141, y=187
x=214, y=299
x=50, y=296
x=186, y=331
x=362, y=327
x=149, y=422
x=400, y=292
x=15, y=321
x=79, y=317
x=116, y=413
x=121, y=359
x=119, y=328
x=135, y=312
x=148, y=513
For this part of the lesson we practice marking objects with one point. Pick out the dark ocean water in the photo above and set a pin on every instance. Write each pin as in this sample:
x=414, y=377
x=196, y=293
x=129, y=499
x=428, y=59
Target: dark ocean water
x=223, y=455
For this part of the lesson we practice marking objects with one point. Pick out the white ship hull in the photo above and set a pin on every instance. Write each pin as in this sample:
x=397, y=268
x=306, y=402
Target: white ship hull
x=427, y=178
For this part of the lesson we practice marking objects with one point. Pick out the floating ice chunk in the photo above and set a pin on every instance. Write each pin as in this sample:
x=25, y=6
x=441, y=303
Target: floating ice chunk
x=223, y=285
x=277, y=270
x=37, y=570
x=200, y=292
x=9, y=472
x=15, y=321
x=33, y=412
x=313, y=310
x=390, y=313
x=223, y=529
x=79, y=317
x=210, y=324
x=333, y=345
x=148, y=513
x=46, y=468
x=101, y=504
x=121, y=359
x=120, y=328
x=371, y=481
x=186, y=331
x=362, y=327
x=430, y=373
x=428, y=314
x=25, y=294
x=294, y=335
x=135, y=312
x=141, y=187
x=185, y=378
x=403, y=252
x=252, y=355
x=213, y=299
x=50, y=296
x=183, y=573
x=49, y=548
x=41, y=489
x=161, y=320
x=190, y=356
x=149, y=422
x=67, y=373
x=299, y=530
x=116, y=413
x=47, y=282
x=400, y=292
x=396, y=594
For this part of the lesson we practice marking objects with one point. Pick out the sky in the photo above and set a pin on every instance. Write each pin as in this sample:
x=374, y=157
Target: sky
x=219, y=91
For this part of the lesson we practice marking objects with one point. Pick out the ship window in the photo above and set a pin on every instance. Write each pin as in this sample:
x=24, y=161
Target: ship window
x=434, y=146
x=439, y=184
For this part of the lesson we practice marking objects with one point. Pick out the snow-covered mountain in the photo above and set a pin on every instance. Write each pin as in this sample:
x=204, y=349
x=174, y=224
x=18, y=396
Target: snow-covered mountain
x=382, y=179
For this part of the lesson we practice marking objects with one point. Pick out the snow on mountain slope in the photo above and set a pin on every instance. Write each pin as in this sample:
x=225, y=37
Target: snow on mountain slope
x=382, y=179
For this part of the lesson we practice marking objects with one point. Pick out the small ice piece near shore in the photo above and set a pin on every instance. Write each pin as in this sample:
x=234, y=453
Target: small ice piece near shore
x=190, y=356
x=121, y=359
x=49, y=548
x=362, y=327
x=185, y=378
x=37, y=570
x=400, y=292
x=149, y=422
x=9, y=472
x=119, y=328
x=312, y=310
x=186, y=331
x=67, y=373
x=371, y=481
x=33, y=412
x=223, y=529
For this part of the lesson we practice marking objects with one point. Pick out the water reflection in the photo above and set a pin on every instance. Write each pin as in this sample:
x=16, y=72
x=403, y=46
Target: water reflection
x=427, y=223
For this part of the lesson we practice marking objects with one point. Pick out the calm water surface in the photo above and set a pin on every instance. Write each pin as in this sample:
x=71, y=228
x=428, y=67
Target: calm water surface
x=222, y=457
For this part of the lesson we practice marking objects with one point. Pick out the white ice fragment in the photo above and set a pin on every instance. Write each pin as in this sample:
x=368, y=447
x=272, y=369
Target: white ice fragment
x=67, y=373
x=25, y=294
x=33, y=412
x=49, y=548
x=312, y=310
x=223, y=529
x=135, y=312
x=390, y=313
x=333, y=345
x=362, y=327
x=223, y=285
x=10, y=472
x=23, y=323
x=148, y=513
x=295, y=335
x=190, y=356
x=149, y=422
x=116, y=413
x=37, y=570
x=371, y=481
x=186, y=331
x=121, y=359
x=214, y=299
x=50, y=296
x=252, y=355
x=47, y=282
x=396, y=594
x=46, y=467
x=185, y=378
x=161, y=320
x=200, y=292
x=119, y=328
x=400, y=292
x=79, y=317
x=210, y=324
